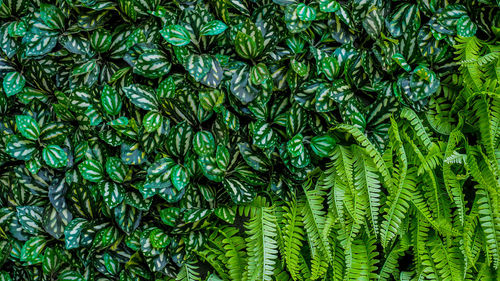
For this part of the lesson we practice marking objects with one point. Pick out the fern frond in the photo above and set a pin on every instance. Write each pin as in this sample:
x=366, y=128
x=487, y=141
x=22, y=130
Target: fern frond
x=279, y=213
x=417, y=126
x=356, y=204
x=362, y=259
x=490, y=64
x=367, y=180
x=234, y=246
x=429, y=269
x=389, y=267
x=314, y=222
x=293, y=237
x=261, y=244
x=319, y=266
x=305, y=271
x=489, y=219
x=455, y=158
x=419, y=236
x=280, y=273
x=488, y=129
x=370, y=149
x=399, y=198
x=451, y=182
x=398, y=206
x=342, y=161
x=250, y=209
x=472, y=238
x=495, y=119
x=447, y=260
x=188, y=272
x=469, y=50
x=423, y=208
x=336, y=201
x=423, y=166
x=338, y=265
x=212, y=257
x=484, y=273
x=488, y=58
x=326, y=181
x=480, y=170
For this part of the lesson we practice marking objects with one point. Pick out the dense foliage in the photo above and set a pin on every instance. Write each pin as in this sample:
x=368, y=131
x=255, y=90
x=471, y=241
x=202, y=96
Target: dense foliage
x=249, y=140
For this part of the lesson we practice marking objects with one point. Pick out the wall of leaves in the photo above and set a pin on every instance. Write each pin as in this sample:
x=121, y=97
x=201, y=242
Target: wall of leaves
x=249, y=140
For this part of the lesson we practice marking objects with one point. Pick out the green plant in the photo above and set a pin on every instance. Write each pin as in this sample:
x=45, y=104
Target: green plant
x=248, y=140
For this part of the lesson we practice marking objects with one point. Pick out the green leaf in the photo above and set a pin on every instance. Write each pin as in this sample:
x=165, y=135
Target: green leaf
x=85, y=68
x=401, y=61
x=101, y=40
x=112, y=193
x=142, y=96
x=214, y=27
x=51, y=261
x=240, y=86
x=13, y=83
x=170, y=215
x=127, y=217
x=239, y=192
x=152, y=64
x=405, y=19
x=259, y=73
x=55, y=156
x=32, y=250
x=180, y=139
x=328, y=6
x=159, y=239
x=204, y=143
x=263, y=135
x=330, y=67
x=209, y=99
x=305, y=12
x=54, y=221
x=323, y=145
x=245, y=46
x=179, y=177
x=131, y=154
x=195, y=214
x=374, y=22
x=91, y=170
x=176, y=35
x=465, y=27
x=39, y=45
x=253, y=158
x=295, y=146
x=20, y=149
x=423, y=83
x=226, y=214
x=166, y=89
x=70, y=276
x=111, y=100
x=52, y=16
x=198, y=66
x=222, y=157
x=72, y=233
x=28, y=127
x=30, y=218
x=76, y=44
x=152, y=121
x=299, y=67
x=116, y=170
x=17, y=29
x=54, y=133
